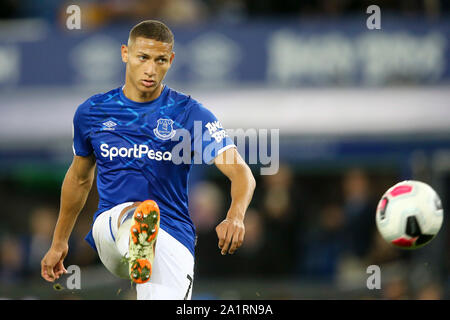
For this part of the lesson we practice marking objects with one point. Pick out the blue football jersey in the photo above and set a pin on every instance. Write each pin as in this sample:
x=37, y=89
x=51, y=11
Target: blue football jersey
x=146, y=150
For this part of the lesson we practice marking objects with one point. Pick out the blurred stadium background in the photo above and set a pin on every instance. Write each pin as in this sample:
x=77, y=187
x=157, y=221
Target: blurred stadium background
x=358, y=110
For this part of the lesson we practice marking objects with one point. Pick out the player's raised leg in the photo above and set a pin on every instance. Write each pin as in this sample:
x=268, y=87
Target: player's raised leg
x=170, y=265
x=106, y=236
x=143, y=232
x=172, y=271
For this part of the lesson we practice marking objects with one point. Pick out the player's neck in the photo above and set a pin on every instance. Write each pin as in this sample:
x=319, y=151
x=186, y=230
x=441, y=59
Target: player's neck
x=138, y=96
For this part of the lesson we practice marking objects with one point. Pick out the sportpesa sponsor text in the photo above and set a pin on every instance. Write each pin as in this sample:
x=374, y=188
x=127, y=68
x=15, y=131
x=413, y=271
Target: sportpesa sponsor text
x=137, y=151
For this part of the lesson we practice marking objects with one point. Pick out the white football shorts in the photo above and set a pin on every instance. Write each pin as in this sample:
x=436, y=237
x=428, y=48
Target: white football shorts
x=173, y=266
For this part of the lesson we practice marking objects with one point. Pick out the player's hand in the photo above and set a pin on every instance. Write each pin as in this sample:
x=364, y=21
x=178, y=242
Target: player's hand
x=52, y=266
x=231, y=235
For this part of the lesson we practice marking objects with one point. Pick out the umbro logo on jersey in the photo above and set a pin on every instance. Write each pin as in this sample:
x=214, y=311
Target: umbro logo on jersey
x=109, y=125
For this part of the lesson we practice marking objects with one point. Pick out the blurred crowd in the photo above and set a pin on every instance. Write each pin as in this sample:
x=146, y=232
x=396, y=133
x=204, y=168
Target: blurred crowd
x=313, y=229
x=27, y=229
x=100, y=12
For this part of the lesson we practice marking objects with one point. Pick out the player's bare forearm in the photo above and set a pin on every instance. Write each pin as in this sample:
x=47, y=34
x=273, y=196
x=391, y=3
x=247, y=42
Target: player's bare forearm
x=74, y=192
x=231, y=231
x=242, y=187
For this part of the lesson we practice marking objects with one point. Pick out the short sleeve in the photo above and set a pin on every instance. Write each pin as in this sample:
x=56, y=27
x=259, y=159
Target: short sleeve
x=209, y=137
x=81, y=132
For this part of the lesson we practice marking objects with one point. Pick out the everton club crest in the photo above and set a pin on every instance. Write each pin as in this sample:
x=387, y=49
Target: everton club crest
x=164, y=129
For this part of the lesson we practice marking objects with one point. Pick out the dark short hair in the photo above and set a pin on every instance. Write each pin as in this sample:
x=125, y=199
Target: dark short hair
x=152, y=29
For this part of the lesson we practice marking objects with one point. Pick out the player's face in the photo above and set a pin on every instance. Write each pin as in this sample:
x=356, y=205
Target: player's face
x=147, y=61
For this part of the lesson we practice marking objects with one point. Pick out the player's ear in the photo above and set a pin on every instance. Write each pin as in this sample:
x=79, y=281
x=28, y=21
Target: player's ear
x=172, y=56
x=124, y=52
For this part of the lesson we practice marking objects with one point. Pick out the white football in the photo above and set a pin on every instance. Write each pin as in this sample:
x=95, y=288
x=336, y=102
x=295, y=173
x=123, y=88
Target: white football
x=409, y=214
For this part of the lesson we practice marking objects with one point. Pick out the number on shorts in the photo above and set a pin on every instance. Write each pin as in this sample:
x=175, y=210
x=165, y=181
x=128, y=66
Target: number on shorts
x=189, y=288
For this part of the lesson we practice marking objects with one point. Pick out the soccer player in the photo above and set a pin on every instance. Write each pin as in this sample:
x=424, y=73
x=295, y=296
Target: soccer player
x=142, y=229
